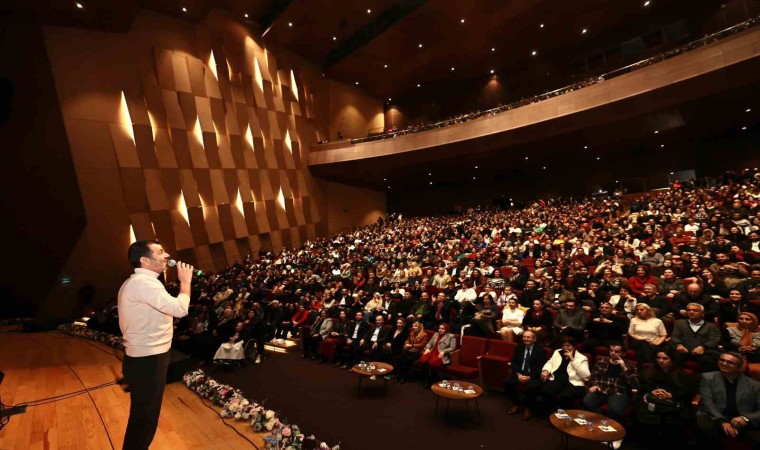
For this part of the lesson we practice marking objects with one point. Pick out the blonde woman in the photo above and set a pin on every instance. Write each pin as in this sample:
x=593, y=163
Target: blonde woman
x=646, y=334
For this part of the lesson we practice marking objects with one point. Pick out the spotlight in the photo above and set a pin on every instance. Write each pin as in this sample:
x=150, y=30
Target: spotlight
x=418, y=85
x=541, y=26
x=646, y=3
x=584, y=31
x=534, y=53
x=461, y=21
x=452, y=68
x=80, y=6
x=492, y=70
x=420, y=45
x=184, y=9
x=493, y=49
x=369, y=11
x=290, y=24
x=335, y=38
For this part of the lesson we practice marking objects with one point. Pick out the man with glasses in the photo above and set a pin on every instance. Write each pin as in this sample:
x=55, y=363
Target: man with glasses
x=730, y=405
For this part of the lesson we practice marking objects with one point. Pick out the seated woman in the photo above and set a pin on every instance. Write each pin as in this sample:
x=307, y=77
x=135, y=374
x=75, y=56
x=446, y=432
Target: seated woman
x=437, y=353
x=395, y=345
x=511, y=321
x=646, y=334
x=232, y=351
x=564, y=375
x=663, y=409
x=328, y=347
x=538, y=321
x=412, y=351
x=745, y=339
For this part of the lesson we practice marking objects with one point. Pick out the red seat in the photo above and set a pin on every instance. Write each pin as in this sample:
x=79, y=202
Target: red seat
x=464, y=361
x=329, y=348
x=495, y=365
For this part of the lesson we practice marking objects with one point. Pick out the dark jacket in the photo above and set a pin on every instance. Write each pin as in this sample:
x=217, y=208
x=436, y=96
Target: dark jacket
x=535, y=362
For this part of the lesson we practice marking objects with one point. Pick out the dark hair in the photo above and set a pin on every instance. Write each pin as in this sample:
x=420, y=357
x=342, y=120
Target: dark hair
x=570, y=340
x=140, y=249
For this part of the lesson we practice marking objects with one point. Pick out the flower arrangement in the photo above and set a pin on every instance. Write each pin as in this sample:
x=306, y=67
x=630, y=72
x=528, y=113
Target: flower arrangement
x=235, y=406
x=110, y=340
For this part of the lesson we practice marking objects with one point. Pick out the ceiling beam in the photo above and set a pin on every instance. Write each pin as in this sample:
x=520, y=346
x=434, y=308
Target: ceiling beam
x=273, y=13
x=383, y=22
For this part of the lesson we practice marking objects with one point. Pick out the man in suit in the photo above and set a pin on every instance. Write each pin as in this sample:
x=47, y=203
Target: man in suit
x=348, y=352
x=696, y=339
x=375, y=339
x=730, y=405
x=527, y=361
x=320, y=329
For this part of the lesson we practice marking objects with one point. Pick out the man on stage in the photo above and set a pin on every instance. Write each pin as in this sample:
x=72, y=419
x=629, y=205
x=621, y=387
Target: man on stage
x=146, y=314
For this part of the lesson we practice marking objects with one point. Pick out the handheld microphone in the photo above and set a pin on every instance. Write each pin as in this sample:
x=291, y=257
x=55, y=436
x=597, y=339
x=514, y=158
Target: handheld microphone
x=172, y=263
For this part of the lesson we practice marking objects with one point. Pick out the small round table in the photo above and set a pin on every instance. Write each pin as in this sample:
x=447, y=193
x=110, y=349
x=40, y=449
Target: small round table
x=450, y=394
x=581, y=431
x=381, y=369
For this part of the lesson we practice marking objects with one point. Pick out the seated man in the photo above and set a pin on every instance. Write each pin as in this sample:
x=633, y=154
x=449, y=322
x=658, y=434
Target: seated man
x=527, y=361
x=730, y=405
x=693, y=294
x=557, y=296
x=696, y=339
x=611, y=382
x=320, y=329
x=657, y=302
x=375, y=339
x=570, y=322
x=605, y=328
x=348, y=353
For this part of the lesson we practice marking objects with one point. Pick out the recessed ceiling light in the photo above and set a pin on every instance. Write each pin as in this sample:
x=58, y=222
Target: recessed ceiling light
x=420, y=45
x=452, y=68
x=598, y=158
x=585, y=146
x=385, y=65
x=369, y=11
x=544, y=167
x=541, y=26
x=744, y=128
x=184, y=9
x=493, y=49
x=656, y=131
x=584, y=31
x=290, y=24
x=357, y=83
x=474, y=178
x=431, y=182
x=390, y=99
x=492, y=71
x=616, y=181
x=389, y=187
x=526, y=157
x=662, y=145
x=646, y=3
x=80, y=6
x=418, y=85
x=534, y=53
x=385, y=179
x=476, y=167
x=671, y=173
x=245, y=15
x=335, y=38
x=748, y=110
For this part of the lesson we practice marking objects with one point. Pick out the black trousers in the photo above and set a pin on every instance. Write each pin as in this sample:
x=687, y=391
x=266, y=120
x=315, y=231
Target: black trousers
x=146, y=375
x=528, y=397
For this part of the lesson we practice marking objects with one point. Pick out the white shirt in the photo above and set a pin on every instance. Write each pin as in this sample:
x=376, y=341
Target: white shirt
x=145, y=314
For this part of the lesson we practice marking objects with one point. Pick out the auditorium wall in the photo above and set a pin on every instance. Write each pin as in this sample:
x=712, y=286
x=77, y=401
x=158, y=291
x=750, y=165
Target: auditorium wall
x=198, y=135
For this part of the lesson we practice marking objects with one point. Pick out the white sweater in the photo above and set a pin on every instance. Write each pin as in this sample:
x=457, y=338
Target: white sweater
x=146, y=314
x=577, y=370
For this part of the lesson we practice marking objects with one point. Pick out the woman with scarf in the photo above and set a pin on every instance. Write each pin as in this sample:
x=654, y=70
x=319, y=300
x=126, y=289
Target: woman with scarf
x=437, y=353
x=745, y=338
x=413, y=346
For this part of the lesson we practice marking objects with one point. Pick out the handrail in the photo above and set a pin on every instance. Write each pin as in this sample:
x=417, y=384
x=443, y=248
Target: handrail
x=465, y=117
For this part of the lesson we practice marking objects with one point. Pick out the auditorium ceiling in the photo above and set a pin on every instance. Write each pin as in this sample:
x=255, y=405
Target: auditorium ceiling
x=389, y=47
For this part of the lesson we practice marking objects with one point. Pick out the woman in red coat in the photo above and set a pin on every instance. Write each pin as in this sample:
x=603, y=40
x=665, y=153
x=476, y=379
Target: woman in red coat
x=636, y=283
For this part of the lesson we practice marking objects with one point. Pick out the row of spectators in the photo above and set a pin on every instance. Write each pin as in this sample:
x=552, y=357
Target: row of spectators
x=667, y=276
x=465, y=117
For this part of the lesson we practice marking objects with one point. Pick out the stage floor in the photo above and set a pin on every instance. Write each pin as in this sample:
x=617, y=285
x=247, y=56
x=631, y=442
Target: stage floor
x=35, y=366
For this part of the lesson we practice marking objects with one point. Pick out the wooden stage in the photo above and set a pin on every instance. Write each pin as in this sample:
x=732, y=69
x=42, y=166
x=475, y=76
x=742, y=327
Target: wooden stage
x=35, y=366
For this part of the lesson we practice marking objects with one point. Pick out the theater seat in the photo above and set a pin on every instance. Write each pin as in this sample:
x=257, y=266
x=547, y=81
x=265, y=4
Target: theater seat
x=495, y=365
x=464, y=361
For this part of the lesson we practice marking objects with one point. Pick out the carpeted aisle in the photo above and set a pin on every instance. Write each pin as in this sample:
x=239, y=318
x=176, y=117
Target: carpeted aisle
x=322, y=400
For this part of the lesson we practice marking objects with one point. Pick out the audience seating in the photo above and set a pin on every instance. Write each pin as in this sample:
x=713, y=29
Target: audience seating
x=465, y=361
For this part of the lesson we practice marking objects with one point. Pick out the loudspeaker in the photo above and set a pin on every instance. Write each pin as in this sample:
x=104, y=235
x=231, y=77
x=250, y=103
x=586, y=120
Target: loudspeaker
x=179, y=365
